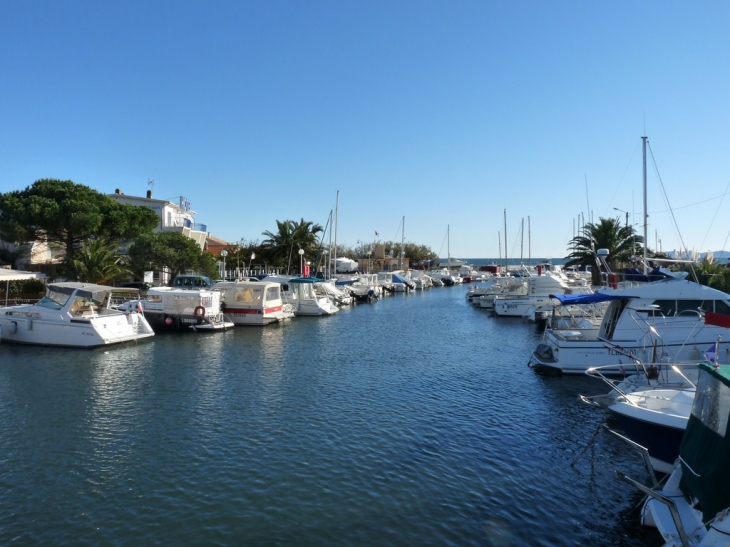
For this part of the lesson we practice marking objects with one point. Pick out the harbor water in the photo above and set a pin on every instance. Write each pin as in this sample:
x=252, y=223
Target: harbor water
x=413, y=420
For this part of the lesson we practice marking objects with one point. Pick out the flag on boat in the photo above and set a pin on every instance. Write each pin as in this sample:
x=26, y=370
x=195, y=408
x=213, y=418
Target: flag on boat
x=710, y=354
x=377, y=234
x=139, y=307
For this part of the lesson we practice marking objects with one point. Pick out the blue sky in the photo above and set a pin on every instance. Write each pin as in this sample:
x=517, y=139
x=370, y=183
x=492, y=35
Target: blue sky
x=445, y=113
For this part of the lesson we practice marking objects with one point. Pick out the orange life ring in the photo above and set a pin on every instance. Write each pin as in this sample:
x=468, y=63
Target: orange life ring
x=199, y=311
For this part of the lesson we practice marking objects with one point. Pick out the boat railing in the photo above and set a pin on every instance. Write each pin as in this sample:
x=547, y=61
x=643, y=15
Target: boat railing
x=648, y=375
x=669, y=502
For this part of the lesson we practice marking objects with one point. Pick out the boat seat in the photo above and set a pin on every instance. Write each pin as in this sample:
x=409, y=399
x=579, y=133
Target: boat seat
x=88, y=310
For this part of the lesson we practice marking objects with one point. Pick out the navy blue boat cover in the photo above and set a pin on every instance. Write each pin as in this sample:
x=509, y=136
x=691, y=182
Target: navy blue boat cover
x=590, y=298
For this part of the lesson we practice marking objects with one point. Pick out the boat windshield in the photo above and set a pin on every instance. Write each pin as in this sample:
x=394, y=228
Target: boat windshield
x=53, y=300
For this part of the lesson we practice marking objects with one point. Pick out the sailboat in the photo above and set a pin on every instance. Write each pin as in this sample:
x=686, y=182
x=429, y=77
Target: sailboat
x=450, y=261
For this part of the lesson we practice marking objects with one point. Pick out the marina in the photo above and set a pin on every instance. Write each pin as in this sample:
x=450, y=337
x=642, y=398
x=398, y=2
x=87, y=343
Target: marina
x=410, y=420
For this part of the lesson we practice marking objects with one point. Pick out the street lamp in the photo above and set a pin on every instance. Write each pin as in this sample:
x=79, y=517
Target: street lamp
x=224, y=254
x=301, y=261
x=622, y=211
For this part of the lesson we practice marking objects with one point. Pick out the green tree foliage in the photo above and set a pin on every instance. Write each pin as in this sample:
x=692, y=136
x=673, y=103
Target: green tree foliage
x=97, y=261
x=171, y=252
x=621, y=241
x=282, y=247
x=67, y=214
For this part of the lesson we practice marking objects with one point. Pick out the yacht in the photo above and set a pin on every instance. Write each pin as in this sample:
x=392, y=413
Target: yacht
x=656, y=321
x=73, y=314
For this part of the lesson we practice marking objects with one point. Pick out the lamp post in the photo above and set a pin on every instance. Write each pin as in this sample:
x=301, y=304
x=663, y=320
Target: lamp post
x=301, y=261
x=622, y=211
x=224, y=254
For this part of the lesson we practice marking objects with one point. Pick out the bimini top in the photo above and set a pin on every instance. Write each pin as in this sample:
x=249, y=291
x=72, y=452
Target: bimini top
x=306, y=280
x=589, y=298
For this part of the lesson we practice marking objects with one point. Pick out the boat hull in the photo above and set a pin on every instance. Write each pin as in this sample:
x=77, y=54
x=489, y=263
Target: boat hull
x=255, y=316
x=76, y=333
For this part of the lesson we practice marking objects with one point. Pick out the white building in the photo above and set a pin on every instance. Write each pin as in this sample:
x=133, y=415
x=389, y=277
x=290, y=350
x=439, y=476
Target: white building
x=174, y=217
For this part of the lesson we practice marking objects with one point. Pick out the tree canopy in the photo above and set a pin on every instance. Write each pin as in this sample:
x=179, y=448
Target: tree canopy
x=99, y=262
x=171, y=252
x=291, y=236
x=66, y=215
x=622, y=243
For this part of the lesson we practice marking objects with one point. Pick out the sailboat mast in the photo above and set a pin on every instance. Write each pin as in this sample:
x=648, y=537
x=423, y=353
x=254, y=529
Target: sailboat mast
x=327, y=274
x=403, y=242
x=506, y=268
x=522, y=239
x=448, y=246
x=499, y=240
x=337, y=216
x=643, y=142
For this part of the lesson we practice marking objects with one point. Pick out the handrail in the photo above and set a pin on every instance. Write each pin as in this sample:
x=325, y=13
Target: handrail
x=670, y=503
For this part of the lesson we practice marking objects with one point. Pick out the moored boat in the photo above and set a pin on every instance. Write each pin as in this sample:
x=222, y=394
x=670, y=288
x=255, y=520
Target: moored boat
x=692, y=508
x=249, y=302
x=73, y=314
x=173, y=309
x=667, y=320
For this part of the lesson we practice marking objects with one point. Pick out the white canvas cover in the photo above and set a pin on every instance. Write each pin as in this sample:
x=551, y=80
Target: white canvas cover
x=16, y=275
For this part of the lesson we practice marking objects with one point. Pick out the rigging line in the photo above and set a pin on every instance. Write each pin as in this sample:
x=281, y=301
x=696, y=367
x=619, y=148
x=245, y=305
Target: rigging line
x=666, y=199
x=623, y=176
x=395, y=237
x=713, y=221
x=721, y=196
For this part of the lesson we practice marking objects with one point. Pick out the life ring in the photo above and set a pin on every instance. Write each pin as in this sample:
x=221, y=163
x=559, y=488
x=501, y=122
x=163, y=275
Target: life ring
x=199, y=311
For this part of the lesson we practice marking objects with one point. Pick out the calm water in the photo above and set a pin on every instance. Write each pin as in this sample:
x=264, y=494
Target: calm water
x=409, y=421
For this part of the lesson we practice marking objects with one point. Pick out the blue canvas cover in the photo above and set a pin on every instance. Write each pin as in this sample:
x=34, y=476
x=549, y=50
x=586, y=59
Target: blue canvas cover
x=589, y=298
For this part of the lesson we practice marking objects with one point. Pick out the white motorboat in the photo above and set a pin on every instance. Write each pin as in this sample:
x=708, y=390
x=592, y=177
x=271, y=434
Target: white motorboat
x=651, y=407
x=420, y=279
x=365, y=288
x=247, y=302
x=337, y=295
x=395, y=281
x=513, y=287
x=300, y=292
x=539, y=290
x=175, y=309
x=665, y=320
x=692, y=508
x=74, y=315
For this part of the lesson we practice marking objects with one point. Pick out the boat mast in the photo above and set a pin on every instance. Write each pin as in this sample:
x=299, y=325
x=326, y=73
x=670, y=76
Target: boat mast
x=403, y=242
x=522, y=240
x=499, y=240
x=529, y=242
x=337, y=217
x=643, y=142
x=448, y=247
x=506, y=268
x=328, y=273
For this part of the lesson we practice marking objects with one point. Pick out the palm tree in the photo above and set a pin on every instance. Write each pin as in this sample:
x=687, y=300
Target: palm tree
x=622, y=243
x=97, y=261
x=291, y=236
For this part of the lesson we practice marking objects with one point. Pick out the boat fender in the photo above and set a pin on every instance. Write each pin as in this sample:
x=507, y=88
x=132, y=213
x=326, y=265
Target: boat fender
x=199, y=311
